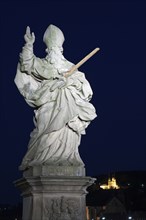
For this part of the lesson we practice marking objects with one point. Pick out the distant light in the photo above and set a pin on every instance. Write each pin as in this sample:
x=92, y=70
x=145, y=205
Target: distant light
x=142, y=185
x=103, y=218
x=130, y=217
x=112, y=184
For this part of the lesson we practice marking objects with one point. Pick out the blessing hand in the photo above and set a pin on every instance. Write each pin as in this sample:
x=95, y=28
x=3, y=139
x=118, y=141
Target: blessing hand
x=29, y=37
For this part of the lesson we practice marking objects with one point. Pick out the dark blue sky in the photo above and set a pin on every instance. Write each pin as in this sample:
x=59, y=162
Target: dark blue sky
x=116, y=139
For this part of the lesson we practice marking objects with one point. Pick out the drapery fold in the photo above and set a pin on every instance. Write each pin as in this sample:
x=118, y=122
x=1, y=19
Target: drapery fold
x=62, y=111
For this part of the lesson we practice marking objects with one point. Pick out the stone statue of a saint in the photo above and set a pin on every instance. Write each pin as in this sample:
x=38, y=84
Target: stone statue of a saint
x=61, y=104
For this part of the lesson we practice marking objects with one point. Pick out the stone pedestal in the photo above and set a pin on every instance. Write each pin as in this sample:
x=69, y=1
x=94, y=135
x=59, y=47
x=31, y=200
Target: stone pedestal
x=54, y=197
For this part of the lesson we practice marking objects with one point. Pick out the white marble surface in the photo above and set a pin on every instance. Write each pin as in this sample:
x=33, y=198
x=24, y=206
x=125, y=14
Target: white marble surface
x=62, y=110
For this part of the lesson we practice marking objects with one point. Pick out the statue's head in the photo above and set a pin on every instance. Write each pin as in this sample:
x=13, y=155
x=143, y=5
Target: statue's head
x=53, y=37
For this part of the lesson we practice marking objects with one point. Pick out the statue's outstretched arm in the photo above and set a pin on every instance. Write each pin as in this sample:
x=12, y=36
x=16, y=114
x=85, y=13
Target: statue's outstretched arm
x=26, y=56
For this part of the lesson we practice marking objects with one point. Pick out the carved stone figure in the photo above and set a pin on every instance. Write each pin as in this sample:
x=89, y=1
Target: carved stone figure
x=61, y=104
x=63, y=209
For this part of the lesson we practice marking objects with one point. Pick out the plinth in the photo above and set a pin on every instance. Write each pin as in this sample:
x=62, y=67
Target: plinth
x=54, y=193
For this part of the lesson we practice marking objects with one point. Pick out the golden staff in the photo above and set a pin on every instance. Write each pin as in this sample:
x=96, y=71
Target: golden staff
x=81, y=62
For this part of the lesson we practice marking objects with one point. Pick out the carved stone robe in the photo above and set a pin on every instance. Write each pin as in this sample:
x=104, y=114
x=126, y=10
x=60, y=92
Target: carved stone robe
x=61, y=106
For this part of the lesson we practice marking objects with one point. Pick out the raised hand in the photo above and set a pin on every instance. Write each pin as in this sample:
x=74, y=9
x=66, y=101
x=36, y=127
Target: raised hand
x=29, y=37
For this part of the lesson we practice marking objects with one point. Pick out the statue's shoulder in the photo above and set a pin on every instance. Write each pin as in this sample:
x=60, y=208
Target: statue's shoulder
x=68, y=64
x=78, y=74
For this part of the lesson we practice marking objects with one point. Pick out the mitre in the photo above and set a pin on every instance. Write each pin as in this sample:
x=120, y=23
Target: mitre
x=53, y=37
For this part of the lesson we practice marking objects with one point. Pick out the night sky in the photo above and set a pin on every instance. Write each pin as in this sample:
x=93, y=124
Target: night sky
x=115, y=140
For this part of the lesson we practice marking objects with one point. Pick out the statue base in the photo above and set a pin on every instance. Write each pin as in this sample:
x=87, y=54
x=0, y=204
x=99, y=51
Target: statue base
x=53, y=197
x=47, y=170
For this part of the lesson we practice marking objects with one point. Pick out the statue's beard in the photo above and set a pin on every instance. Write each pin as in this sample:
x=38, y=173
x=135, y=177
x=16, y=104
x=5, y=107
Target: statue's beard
x=54, y=55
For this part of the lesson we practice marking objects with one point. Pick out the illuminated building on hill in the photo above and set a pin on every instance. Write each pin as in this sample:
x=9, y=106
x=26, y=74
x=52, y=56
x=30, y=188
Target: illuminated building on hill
x=112, y=184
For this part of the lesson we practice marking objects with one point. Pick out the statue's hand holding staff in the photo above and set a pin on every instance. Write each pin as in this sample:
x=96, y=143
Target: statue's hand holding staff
x=60, y=83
